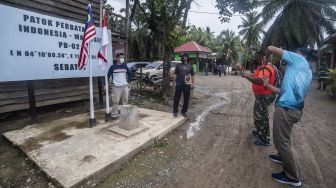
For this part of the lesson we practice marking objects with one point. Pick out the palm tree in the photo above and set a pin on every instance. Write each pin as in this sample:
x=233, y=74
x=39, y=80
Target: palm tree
x=198, y=35
x=186, y=12
x=204, y=37
x=229, y=46
x=140, y=39
x=251, y=30
x=297, y=22
x=163, y=20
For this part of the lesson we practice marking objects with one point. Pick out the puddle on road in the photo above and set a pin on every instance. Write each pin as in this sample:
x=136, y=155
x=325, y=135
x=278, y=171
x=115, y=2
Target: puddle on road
x=224, y=99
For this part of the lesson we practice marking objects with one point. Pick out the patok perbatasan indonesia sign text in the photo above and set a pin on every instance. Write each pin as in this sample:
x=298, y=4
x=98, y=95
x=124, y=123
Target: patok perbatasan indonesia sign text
x=35, y=46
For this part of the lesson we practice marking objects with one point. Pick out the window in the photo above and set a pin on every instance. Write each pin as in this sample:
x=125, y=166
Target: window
x=153, y=65
x=143, y=64
x=173, y=64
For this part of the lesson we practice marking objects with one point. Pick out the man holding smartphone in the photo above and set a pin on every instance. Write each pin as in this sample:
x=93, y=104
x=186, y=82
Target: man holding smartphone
x=263, y=98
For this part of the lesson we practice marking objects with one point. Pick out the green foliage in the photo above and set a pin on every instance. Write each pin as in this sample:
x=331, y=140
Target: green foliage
x=229, y=46
x=202, y=36
x=108, y=9
x=156, y=26
x=140, y=37
x=331, y=85
x=157, y=30
x=247, y=57
x=251, y=30
x=228, y=7
x=298, y=23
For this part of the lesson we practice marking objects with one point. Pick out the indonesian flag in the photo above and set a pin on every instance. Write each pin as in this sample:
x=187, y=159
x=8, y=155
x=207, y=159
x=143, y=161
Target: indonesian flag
x=102, y=53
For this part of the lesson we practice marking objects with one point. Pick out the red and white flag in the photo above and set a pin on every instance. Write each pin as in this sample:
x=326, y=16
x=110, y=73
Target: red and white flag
x=102, y=53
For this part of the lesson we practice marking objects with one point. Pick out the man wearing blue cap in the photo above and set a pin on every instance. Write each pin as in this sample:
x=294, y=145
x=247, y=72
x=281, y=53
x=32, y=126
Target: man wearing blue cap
x=288, y=109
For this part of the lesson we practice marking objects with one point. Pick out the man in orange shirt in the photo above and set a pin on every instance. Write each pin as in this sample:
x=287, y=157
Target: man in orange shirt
x=263, y=98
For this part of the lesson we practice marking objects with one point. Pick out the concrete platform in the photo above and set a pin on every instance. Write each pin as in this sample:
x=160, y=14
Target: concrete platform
x=127, y=134
x=73, y=155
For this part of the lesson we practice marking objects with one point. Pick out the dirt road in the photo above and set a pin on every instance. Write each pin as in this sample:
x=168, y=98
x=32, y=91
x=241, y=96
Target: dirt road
x=215, y=147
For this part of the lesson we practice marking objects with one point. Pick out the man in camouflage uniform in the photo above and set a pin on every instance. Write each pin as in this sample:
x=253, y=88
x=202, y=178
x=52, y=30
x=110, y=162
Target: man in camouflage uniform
x=263, y=98
x=261, y=117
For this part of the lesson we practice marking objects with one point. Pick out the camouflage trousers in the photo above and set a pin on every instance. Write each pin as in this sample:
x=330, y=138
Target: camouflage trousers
x=261, y=116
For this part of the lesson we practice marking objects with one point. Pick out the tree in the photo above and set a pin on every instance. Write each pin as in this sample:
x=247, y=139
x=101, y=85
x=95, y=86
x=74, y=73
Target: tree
x=248, y=57
x=298, y=23
x=251, y=30
x=108, y=8
x=228, y=7
x=186, y=11
x=230, y=46
x=140, y=38
x=198, y=35
x=163, y=22
x=204, y=37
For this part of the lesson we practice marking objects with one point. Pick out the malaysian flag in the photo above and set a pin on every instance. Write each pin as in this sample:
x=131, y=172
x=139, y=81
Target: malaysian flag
x=89, y=34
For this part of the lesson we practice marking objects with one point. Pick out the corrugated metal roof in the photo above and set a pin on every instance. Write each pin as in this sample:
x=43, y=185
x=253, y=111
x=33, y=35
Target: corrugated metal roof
x=192, y=47
x=330, y=39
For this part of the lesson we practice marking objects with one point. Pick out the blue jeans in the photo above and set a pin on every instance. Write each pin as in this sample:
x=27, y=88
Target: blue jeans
x=185, y=89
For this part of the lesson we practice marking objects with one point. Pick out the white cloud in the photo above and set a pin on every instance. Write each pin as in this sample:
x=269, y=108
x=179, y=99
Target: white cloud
x=212, y=20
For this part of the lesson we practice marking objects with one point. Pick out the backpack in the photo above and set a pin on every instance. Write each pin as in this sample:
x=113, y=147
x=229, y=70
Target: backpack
x=278, y=79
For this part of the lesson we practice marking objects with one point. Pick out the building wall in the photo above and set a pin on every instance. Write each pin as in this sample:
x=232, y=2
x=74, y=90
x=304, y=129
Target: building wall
x=75, y=10
x=14, y=95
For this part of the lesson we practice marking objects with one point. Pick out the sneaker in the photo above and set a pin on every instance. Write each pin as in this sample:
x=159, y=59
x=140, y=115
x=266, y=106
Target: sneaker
x=184, y=115
x=262, y=143
x=275, y=158
x=175, y=114
x=282, y=178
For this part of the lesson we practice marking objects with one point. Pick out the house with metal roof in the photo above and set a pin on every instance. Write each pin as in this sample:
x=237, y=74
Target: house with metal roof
x=327, y=53
x=198, y=54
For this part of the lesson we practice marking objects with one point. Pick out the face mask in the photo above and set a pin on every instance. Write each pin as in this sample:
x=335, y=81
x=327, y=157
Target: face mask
x=122, y=60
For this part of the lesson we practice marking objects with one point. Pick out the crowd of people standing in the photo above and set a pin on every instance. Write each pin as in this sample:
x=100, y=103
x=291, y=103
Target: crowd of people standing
x=217, y=69
x=287, y=86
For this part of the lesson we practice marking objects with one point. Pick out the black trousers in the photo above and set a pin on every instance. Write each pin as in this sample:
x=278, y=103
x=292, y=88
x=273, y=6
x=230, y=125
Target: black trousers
x=185, y=89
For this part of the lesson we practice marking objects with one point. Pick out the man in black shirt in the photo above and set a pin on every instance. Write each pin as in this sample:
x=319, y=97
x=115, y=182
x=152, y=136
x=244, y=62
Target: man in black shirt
x=183, y=81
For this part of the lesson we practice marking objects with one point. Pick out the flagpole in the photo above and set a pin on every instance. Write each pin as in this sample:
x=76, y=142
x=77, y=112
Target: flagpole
x=107, y=100
x=92, y=120
x=108, y=114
